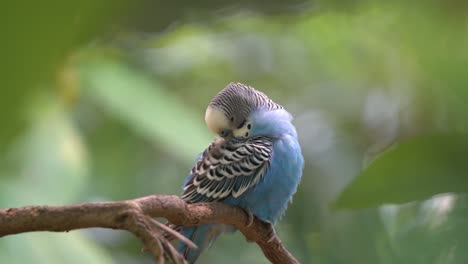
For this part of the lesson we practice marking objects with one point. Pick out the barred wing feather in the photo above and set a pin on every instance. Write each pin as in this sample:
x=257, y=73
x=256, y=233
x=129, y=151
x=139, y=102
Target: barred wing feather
x=228, y=168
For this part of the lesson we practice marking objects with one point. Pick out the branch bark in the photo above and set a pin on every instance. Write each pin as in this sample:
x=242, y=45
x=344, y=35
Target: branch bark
x=136, y=216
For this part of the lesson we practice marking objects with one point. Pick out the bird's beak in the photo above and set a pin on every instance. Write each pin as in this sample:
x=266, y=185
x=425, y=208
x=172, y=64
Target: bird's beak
x=226, y=133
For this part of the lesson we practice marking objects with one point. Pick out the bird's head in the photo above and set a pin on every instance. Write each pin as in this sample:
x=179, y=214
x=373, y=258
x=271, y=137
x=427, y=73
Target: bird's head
x=228, y=114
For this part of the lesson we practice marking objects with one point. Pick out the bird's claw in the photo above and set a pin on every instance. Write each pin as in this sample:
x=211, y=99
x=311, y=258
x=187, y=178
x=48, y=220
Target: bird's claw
x=250, y=217
x=272, y=234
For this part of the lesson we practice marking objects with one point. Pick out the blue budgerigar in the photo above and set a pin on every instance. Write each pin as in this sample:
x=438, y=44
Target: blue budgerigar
x=256, y=163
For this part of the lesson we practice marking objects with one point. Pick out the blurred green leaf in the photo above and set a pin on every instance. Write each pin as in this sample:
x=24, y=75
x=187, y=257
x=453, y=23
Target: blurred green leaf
x=413, y=170
x=52, y=248
x=36, y=39
x=429, y=231
x=48, y=164
x=147, y=107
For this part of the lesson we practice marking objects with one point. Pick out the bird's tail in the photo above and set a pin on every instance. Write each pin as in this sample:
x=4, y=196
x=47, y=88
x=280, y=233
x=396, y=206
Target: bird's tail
x=203, y=236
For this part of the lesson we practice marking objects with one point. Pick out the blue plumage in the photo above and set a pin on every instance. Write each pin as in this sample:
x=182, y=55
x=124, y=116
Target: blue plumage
x=256, y=165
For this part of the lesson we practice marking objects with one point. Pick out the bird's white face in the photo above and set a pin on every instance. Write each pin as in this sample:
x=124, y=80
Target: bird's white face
x=217, y=122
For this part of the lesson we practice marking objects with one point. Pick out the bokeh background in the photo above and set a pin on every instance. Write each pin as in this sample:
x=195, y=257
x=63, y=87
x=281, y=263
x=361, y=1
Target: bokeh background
x=104, y=100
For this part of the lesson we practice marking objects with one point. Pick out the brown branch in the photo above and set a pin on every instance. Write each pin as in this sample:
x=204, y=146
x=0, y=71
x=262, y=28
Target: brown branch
x=136, y=215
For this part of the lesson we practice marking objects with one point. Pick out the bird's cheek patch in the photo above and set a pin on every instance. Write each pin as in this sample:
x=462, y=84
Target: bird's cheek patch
x=241, y=132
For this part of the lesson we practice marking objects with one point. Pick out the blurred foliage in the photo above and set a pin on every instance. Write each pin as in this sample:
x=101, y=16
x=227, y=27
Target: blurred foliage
x=36, y=38
x=105, y=100
x=438, y=161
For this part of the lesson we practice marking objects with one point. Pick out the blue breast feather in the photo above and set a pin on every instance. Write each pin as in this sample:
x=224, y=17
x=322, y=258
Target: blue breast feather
x=269, y=199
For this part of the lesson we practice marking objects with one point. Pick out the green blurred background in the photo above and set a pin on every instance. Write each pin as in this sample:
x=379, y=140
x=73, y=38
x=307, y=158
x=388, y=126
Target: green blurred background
x=104, y=100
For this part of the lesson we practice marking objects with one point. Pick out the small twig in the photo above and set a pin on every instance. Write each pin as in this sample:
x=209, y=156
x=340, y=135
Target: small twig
x=135, y=216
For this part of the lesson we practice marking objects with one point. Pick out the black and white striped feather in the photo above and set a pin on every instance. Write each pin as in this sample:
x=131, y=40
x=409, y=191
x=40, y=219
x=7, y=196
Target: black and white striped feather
x=238, y=100
x=228, y=168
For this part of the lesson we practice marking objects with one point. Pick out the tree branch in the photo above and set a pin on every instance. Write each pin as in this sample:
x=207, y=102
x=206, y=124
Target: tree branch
x=136, y=216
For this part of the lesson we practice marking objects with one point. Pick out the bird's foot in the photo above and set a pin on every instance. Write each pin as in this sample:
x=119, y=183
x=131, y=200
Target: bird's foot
x=250, y=220
x=250, y=217
x=272, y=233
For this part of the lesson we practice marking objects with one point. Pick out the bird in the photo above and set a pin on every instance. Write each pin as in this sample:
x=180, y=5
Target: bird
x=256, y=162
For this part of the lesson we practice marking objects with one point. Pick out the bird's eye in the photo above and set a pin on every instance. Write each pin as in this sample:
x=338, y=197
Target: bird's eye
x=241, y=124
x=249, y=126
x=232, y=119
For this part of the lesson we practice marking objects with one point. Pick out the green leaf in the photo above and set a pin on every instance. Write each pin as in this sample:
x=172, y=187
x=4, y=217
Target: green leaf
x=56, y=30
x=413, y=170
x=52, y=248
x=48, y=164
x=147, y=107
